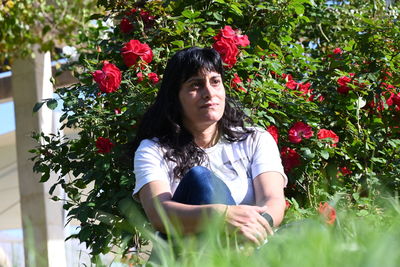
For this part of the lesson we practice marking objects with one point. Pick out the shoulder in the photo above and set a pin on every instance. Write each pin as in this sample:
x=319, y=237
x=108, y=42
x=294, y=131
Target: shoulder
x=148, y=146
x=258, y=134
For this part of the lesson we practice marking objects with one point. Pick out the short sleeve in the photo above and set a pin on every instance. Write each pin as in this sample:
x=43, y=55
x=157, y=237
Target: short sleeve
x=149, y=164
x=266, y=156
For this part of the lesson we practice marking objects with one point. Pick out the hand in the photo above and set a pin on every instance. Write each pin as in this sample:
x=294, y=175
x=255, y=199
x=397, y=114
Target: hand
x=248, y=222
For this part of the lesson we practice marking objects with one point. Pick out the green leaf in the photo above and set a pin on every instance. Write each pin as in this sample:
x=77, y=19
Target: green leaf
x=307, y=153
x=38, y=106
x=190, y=14
x=178, y=43
x=325, y=154
x=299, y=10
x=236, y=10
x=217, y=16
x=45, y=177
x=52, y=104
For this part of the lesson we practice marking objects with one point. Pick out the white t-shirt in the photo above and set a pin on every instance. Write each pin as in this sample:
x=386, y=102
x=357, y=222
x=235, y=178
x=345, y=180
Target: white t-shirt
x=235, y=163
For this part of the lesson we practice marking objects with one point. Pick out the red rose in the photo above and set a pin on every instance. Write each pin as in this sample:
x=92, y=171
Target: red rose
x=135, y=50
x=337, y=51
x=290, y=158
x=304, y=87
x=298, y=131
x=237, y=82
x=345, y=171
x=287, y=77
x=242, y=40
x=153, y=77
x=131, y=12
x=104, y=145
x=324, y=133
x=139, y=75
x=108, y=78
x=327, y=212
x=343, y=89
x=396, y=99
x=125, y=26
x=343, y=82
x=273, y=130
x=227, y=32
x=146, y=17
x=227, y=42
x=287, y=204
x=291, y=84
x=228, y=51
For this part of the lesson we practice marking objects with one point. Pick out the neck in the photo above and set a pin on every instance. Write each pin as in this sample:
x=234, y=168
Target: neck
x=206, y=136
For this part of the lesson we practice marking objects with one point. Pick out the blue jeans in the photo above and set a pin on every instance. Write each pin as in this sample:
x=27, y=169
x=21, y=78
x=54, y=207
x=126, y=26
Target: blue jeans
x=200, y=186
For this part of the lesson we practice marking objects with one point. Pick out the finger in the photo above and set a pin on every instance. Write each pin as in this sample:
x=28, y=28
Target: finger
x=252, y=238
x=262, y=209
x=265, y=225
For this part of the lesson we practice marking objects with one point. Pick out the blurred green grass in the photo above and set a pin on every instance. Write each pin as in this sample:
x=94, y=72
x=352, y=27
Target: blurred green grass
x=354, y=240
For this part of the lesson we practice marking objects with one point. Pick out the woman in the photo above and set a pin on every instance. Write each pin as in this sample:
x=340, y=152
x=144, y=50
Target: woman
x=196, y=158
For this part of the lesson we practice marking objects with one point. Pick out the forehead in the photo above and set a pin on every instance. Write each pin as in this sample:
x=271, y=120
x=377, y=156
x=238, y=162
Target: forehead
x=204, y=74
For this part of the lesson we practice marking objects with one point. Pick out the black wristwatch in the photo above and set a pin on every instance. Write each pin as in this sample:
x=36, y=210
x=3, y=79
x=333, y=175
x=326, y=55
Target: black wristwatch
x=268, y=218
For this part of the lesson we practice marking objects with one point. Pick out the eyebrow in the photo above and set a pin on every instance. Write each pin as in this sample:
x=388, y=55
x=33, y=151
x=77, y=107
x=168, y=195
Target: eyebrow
x=198, y=78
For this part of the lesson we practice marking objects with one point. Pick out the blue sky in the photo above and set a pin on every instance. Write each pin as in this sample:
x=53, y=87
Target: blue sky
x=7, y=117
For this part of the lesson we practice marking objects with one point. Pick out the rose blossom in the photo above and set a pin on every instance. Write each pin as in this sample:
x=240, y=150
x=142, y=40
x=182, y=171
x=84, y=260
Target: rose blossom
x=236, y=82
x=273, y=130
x=228, y=51
x=328, y=212
x=287, y=204
x=134, y=50
x=287, y=77
x=146, y=17
x=343, y=82
x=153, y=77
x=324, y=133
x=104, y=145
x=228, y=33
x=242, y=40
x=290, y=158
x=298, y=131
x=345, y=171
x=337, y=51
x=125, y=26
x=227, y=42
x=139, y=76
x=108, y=78
x=305, y=87
x=396, y=99
x=291, y=84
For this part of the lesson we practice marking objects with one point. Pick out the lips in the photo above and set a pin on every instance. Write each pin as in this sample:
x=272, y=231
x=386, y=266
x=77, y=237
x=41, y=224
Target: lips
x=209, y=105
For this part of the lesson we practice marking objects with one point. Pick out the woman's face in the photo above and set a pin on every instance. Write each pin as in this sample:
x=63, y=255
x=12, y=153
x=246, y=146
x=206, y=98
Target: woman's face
x=202, y=98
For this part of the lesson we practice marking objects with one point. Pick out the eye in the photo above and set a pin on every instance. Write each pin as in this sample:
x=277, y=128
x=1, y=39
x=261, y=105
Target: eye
x=195, y=85
x=216, y=81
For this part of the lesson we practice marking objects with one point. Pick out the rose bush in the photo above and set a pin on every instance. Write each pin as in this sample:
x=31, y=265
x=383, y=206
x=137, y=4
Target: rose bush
x=108, y=78
x=285, y=63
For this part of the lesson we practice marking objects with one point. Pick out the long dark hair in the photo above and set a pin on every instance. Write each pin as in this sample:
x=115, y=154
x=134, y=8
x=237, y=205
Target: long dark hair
x=163, y=119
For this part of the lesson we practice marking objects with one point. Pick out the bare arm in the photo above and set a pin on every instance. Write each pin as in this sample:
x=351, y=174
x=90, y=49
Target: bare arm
x=187, y=217
x=268, y=189
x=242, y=218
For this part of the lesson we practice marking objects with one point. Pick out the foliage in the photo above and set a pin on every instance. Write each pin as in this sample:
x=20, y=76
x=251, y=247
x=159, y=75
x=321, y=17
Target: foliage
x=330, y=66
x=353, y=241
x=25, y=23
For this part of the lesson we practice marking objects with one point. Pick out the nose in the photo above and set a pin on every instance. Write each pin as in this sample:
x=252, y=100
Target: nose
x=208, y=91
